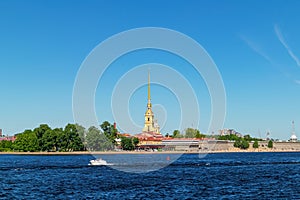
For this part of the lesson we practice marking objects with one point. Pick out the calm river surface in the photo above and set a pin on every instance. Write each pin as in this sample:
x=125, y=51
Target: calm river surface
x=215, y=176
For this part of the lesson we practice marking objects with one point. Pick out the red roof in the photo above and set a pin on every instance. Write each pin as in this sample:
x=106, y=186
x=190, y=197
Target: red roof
x=8, y=138
x=150, y=136
x=125, y=134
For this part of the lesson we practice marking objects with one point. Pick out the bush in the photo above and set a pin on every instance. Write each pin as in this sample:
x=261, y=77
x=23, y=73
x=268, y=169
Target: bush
x=255, y=144
x=244, y=144
x=270, y=144
x=237, y=143
x=241, y=143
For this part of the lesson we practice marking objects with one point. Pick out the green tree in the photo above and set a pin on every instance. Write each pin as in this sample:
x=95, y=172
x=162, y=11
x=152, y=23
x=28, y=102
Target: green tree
x=81, y=132
x=97, y=141
x=39, y=132
x=6, y=145
x=244, y=144
x=93, y=139
x=193, y=133
x=199, y=135
x=270, y=144
x=247, y=138
x=255, y=144
x=190, y=133
x=109, y=131
x=237, y=143
x=230, y=137
x=70, y=140
x=26, y=141
x=49, y=139
x=57, y=134
x=135, y=141
x=176, y=134
x=241, y=143
x=127, y=144
x=43, y=138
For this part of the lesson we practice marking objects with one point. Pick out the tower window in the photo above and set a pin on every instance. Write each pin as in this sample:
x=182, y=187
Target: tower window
x=148, y=119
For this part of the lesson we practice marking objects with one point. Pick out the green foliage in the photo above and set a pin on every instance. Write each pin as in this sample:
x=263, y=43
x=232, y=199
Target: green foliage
x=50, y=140
x=26, y=142
x=135, y=141
x=5, y=145
x=44, y=138
x=97, y=141
x=237, y=143
x=39, y=132
x=233, y=137
x=129, y=144
x=245, y=144
x=176, y=134
x=255, y=144
x=71, y=139
x=193, y=133
x=199, y=135
x=241, y=143
x=190, y=133
x=249, y=138
x=270, y=144
x=230, y=137
x=109, y=131
x=81, y=132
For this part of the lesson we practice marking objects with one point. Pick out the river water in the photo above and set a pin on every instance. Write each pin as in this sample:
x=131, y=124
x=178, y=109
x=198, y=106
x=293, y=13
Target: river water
x=212, y=176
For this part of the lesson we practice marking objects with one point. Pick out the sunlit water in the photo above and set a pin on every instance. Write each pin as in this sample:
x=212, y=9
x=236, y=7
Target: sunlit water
x=225, y=175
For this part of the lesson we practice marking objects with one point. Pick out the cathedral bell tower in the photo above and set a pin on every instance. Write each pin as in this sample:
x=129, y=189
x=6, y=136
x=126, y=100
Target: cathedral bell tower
x=150, y=124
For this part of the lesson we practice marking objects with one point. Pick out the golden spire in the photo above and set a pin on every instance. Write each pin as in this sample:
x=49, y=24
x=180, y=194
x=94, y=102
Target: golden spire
x=149, y=97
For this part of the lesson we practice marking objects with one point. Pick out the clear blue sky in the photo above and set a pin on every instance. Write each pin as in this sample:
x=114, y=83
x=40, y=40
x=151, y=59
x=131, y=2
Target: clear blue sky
x=255, y=45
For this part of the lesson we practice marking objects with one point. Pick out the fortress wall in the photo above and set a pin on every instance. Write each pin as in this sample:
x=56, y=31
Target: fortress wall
x=263, y=145
x=218, y=145
x=215, y=145
x=287, y=145
x=279, y=145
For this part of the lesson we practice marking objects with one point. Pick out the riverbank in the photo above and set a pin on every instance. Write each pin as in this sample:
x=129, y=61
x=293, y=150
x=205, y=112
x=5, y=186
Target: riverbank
x=147, y=152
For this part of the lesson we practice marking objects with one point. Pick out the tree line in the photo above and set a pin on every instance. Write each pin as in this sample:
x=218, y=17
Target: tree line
x=188, y=133
x=43, y=138
x=72, y=137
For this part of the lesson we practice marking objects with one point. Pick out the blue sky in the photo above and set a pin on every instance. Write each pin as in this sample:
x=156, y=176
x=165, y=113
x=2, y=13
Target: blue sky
x=254, y=44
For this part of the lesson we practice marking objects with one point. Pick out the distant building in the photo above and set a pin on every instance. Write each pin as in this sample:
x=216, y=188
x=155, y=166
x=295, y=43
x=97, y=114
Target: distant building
x=229, y=132
x=293, y=138
x=8, y=138
x=181, y=143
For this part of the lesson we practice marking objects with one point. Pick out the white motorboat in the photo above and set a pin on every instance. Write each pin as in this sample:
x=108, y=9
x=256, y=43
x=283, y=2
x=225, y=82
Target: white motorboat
x=99, y=161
